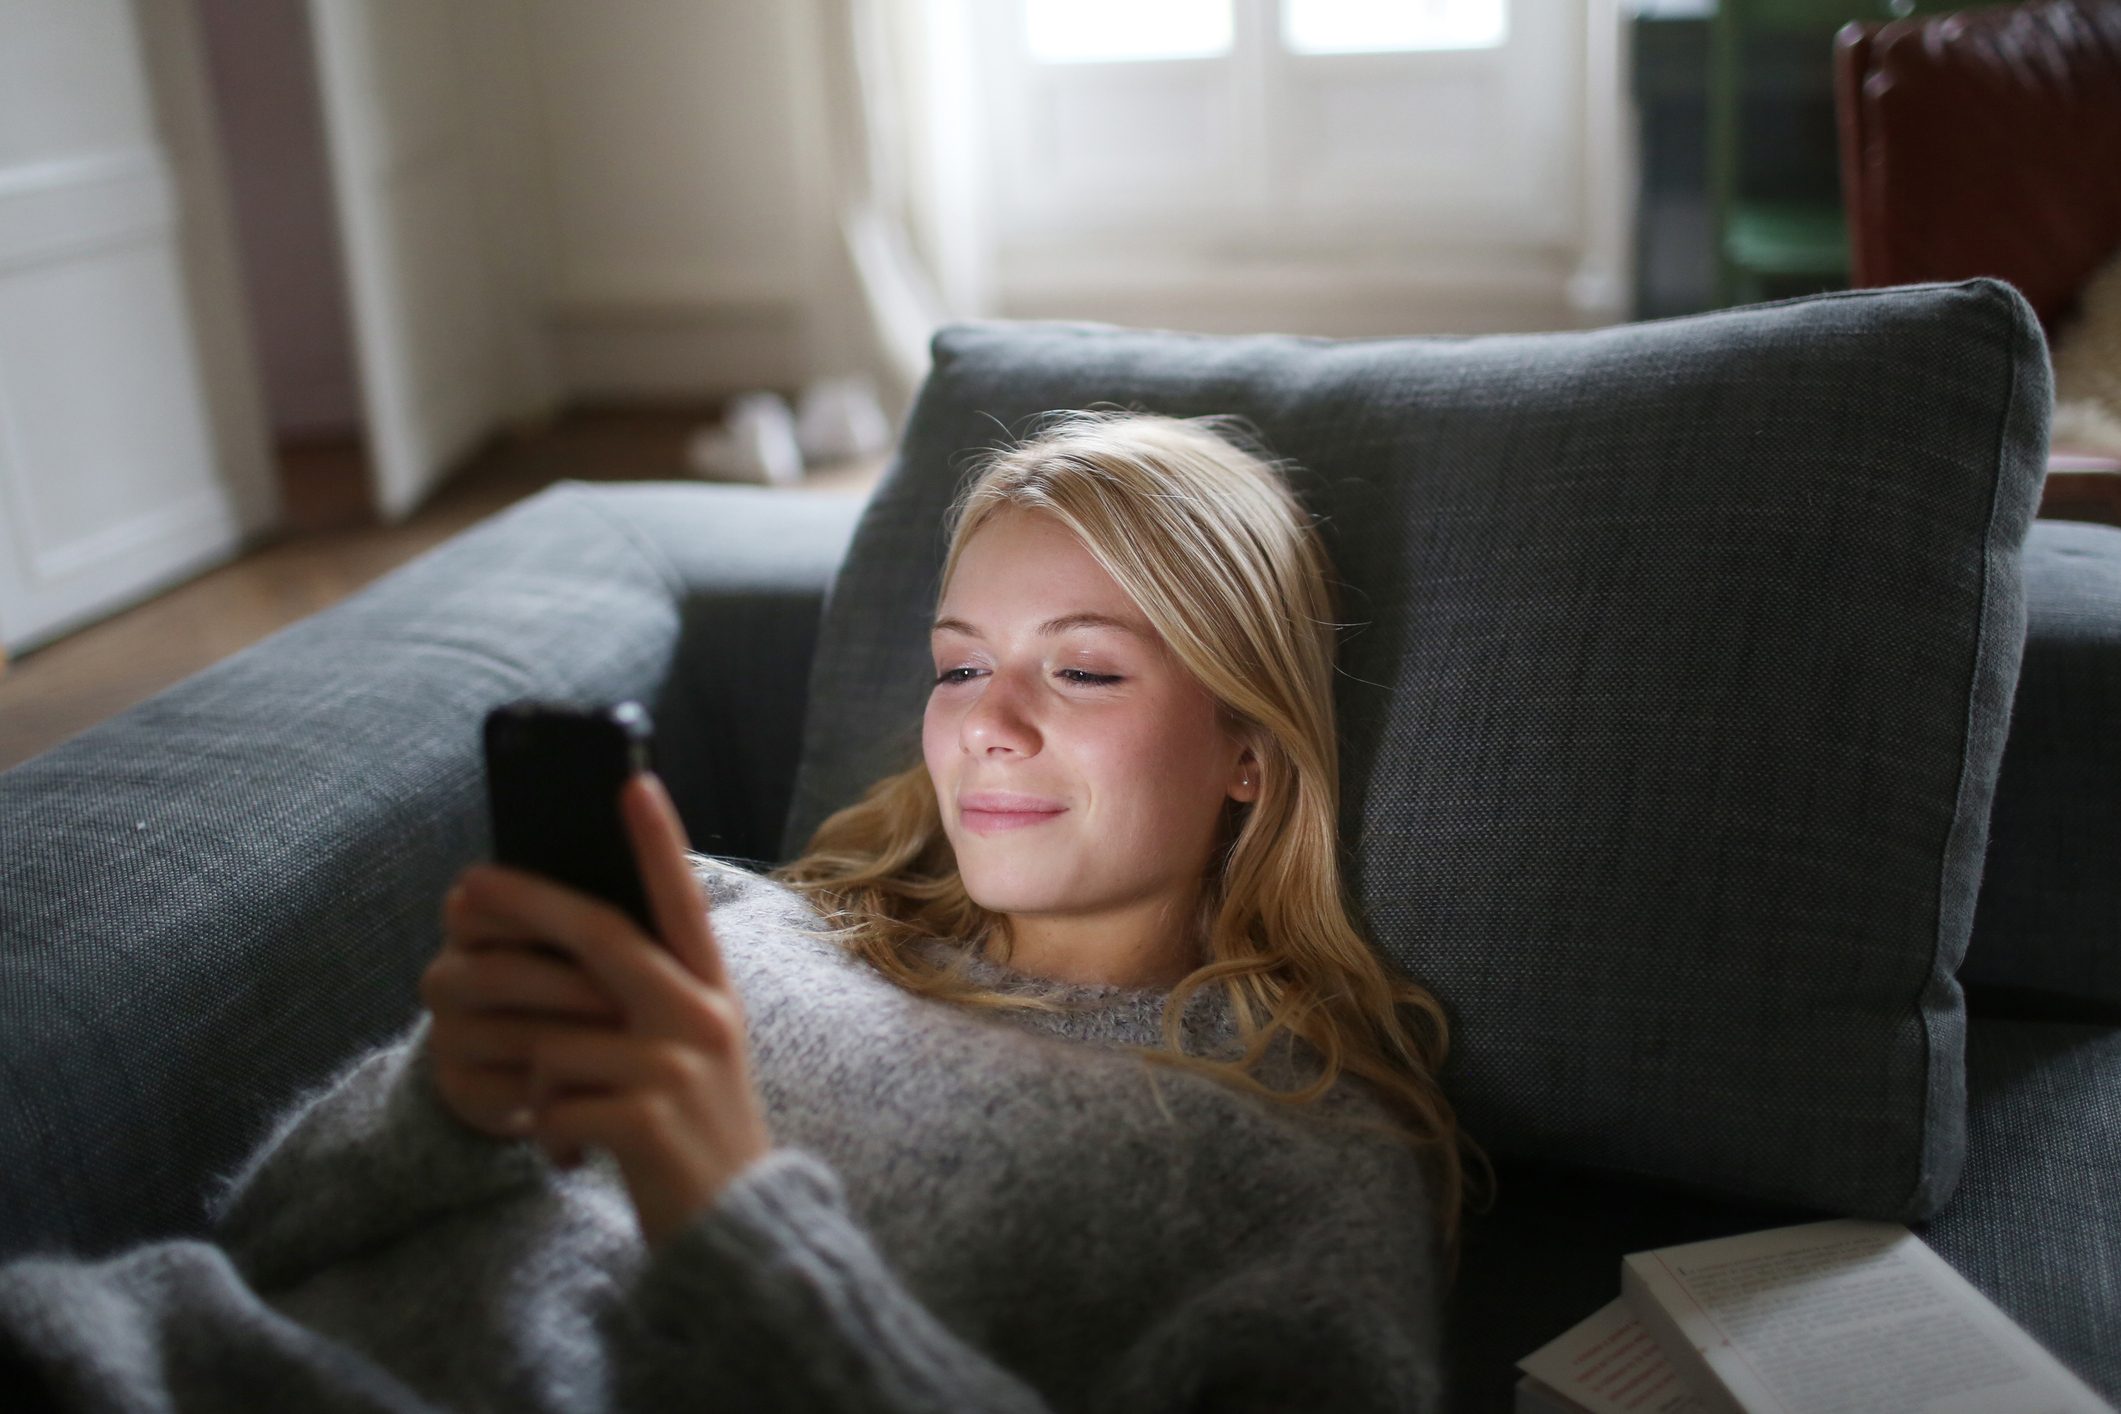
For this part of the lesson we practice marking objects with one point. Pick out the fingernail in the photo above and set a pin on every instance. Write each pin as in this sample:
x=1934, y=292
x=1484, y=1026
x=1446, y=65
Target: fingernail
x=519, y=1121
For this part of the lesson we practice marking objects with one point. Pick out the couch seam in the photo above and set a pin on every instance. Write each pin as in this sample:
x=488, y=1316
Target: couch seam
x=1983, y=628
x=1093, y=328
x=664, y=570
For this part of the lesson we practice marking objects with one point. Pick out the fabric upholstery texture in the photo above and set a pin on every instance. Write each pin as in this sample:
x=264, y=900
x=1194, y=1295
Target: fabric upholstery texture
x=746, y=568
x=2049, y=918
x=1676, y=673
x=2035, y=1224
x=2044, y=1163
x=239, y=881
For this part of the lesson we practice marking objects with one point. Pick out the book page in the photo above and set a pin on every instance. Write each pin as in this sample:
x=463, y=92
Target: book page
x=1609, y=1363
x=1842, y=1316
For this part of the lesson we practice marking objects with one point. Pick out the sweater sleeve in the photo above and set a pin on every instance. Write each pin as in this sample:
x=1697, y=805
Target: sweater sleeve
x=778, y=1291
x=1288, y=1332
x=366, y=1159
x=167, y=1326
x=362, y=1166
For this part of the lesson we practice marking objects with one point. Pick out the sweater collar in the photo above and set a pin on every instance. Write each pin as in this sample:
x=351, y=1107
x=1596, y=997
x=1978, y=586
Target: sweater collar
x=1096, y=1010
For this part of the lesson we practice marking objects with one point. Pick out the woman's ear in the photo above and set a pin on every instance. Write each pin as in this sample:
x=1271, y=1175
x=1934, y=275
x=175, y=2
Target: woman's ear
x=1244, y=779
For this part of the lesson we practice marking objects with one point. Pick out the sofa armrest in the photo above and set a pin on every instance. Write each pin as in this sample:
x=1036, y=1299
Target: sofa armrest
x=215, y=899
x=749, y=569
x=2049, y=912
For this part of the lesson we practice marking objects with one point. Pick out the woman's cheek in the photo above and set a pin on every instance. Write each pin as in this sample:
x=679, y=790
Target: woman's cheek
x=935, y=740
x=1135, y=764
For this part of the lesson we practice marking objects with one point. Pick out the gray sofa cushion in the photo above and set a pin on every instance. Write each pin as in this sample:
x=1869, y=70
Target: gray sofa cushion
x=2049, y=920
x=2036, y=1224
x=1671, y=714
x=235, y=886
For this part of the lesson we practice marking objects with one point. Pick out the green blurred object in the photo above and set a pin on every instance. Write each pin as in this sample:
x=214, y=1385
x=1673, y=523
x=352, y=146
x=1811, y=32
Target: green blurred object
x=1783, y=236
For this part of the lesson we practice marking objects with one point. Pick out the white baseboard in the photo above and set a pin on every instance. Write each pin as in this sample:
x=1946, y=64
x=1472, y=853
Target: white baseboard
x=678, y=350
x=1521, y=294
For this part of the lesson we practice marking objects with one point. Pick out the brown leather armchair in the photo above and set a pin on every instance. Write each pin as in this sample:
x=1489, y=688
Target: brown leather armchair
x=1988, y=142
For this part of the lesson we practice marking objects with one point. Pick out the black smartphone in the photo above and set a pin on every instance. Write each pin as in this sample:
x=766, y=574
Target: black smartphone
x=553, y=774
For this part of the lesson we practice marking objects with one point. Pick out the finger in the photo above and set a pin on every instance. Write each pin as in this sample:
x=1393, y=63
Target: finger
x=470, y=927
x=622, y=1124
x=470, y=1038
x=568, y=1063
x=516, y=979
x=655, y=993
x=467, y=936
x=493, y=1099
x=674, y=897
x=637, y=973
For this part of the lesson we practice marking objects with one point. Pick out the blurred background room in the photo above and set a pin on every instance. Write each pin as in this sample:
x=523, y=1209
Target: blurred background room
x=291, y=290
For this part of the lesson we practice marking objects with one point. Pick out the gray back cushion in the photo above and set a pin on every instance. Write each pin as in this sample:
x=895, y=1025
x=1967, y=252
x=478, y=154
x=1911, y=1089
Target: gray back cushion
x=2049, y=921
x=1679, y=672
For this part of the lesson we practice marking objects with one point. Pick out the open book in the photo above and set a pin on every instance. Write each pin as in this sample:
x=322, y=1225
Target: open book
x=1832, y=1317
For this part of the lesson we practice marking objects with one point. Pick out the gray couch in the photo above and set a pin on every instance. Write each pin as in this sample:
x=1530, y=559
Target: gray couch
x=1717, y=663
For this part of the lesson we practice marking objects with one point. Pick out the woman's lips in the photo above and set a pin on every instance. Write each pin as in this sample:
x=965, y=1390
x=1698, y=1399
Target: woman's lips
x=986, y=812
x=987, y=822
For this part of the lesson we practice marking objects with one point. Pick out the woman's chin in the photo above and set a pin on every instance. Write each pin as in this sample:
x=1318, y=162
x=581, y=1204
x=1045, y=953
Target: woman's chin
x=1009, y=892
x=1017, y=902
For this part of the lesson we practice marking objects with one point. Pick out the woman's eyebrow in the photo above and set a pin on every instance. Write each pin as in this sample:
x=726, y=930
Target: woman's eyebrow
x=1047, y=629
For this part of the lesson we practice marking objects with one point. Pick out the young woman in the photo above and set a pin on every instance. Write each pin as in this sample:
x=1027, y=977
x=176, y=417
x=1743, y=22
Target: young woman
x=1130, y=782
x=1054, y=1075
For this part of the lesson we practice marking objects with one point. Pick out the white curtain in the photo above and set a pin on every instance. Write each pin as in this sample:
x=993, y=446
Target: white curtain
x=906, y=168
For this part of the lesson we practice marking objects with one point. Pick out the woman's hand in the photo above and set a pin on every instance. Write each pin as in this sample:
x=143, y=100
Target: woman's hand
x=556, y=1019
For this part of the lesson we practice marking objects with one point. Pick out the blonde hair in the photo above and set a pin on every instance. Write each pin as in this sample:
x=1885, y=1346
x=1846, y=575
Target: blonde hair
x=1205, y=535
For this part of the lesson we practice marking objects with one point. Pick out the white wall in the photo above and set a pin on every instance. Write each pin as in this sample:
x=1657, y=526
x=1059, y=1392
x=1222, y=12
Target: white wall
x=433, y=160
x=173, y=54
x=505, y=128
x=131, y=453
x=680, y=144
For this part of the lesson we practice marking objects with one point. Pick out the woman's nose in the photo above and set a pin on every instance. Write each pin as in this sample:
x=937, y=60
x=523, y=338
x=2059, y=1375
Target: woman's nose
x=1000, y=719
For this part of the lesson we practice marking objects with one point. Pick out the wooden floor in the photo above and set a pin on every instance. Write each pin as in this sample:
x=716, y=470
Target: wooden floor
x=332, y=548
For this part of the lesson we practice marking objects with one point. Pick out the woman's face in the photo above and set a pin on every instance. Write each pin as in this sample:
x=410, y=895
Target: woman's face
x=1080, y=769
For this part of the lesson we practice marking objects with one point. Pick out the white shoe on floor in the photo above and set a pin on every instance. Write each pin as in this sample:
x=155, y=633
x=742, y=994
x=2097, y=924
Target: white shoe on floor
x=755, y=442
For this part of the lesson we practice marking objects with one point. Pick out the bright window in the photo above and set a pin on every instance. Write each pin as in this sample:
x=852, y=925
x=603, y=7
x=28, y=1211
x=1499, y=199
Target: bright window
x=1298, y=129
x=1104, y=31
x=1079, y=31
x=1376, y=26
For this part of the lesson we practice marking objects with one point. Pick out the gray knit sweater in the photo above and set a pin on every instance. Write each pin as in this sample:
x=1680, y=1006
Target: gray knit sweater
x=961, y=1212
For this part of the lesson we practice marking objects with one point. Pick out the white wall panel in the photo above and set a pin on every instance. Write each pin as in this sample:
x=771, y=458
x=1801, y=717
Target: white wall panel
x=440, y=300
x=112, y=483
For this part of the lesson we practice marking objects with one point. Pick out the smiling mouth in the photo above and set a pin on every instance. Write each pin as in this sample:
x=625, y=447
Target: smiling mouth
x=987, y=822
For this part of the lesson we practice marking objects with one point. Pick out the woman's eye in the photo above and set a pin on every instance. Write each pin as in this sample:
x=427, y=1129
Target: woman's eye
x=1078, y=676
